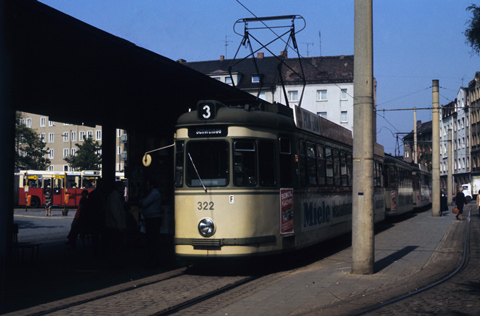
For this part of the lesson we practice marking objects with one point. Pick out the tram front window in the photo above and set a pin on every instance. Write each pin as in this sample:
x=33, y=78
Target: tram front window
x=208, y=163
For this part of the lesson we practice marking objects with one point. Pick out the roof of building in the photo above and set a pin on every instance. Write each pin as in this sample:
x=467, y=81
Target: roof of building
x=423, y=130
x=330, y=69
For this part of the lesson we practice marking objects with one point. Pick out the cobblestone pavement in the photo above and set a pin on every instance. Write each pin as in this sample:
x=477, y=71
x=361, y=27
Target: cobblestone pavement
x=460, y=295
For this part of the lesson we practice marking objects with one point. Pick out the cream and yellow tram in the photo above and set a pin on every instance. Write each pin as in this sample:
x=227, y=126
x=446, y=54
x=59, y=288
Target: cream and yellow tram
x=249, y=182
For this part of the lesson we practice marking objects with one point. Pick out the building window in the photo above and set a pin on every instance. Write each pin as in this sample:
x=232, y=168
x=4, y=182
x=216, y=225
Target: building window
x=344, y=116
x=74, y=136
x=50, y=168
x=28, y=122
x=43, y=121
x=74, y=150
x=50, y=123
x=65, y=137
x=255, y=78
x=51, y=137
x=293, y=95
x=98, y=135
x=322, y=114
x=51, y=154
x=119, y=132
x=119, y=150
x=81, y=136
x=344, y=94
x=42, y=137
x=321, y=95
x=90, y=134
x=65, y=152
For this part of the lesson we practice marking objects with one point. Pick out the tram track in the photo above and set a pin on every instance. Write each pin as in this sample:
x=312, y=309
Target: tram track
x=466, y=249
x=162, y=296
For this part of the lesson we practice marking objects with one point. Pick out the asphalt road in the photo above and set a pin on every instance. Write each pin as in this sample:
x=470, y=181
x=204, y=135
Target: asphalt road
x=34, y=226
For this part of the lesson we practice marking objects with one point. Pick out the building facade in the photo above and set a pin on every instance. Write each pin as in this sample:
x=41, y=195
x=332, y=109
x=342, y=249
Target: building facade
x=423, y=150
x=60, y=139
x=455, y=119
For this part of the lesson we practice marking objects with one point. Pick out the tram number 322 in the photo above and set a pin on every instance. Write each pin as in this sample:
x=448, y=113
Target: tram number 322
x=206, y=206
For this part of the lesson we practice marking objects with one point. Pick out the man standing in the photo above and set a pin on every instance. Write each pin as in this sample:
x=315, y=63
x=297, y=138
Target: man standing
x=152, y=212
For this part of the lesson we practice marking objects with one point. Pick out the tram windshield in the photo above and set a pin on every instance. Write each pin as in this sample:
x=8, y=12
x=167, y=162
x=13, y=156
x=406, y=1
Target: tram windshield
x=210, y=159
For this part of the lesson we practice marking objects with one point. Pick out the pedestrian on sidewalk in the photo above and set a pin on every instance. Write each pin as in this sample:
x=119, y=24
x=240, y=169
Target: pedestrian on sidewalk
x=152, y=212
x=116, y=224
x=460, y=201
x=48, y=202
x=443, y=203
x=478, y=202
x=79, y=221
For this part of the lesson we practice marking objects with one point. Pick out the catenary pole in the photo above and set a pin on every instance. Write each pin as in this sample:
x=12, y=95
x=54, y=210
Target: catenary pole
x=362, y=195
x=449, y=168
x=435, y=150
x=415, y=144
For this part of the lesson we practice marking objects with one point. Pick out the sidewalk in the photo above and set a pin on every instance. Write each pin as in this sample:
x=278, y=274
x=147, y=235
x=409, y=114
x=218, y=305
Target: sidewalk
x=408, y=255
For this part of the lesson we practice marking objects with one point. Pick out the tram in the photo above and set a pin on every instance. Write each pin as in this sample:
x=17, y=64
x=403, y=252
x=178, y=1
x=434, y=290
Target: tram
x=407, y=188
x=249, y=181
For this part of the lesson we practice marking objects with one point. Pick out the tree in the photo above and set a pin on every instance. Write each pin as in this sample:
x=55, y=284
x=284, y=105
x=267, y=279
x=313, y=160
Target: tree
x=30, y=151
x=472, y=33
x=87, y=157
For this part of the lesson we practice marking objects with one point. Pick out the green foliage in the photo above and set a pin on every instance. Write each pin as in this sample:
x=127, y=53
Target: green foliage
x=472, y=33
x=87, y=157
x=30, y=151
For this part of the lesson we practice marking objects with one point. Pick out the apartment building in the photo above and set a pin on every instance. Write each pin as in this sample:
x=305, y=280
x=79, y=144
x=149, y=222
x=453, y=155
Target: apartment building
x=455, y=120
x=328, y=81
x=61, y=138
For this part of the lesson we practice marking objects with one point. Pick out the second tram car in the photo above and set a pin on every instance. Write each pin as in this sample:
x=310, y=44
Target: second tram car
x=406, y=187
x=248, y=181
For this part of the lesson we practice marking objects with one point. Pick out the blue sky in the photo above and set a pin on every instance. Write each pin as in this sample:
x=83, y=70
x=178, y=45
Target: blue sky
x=415, y=41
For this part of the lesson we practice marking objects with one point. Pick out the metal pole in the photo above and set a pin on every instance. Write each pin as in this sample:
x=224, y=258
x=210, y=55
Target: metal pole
x=362, y=193
x=415, y=144
x=435, y=150
x=449, y=168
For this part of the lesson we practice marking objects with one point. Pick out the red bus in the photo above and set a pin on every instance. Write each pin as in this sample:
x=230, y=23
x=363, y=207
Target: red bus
x=66, y=187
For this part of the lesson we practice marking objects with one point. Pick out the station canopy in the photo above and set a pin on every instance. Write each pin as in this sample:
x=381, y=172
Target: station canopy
x=73, y=72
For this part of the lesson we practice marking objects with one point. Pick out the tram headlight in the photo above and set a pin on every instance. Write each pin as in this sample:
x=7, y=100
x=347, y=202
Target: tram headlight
x=206, y=227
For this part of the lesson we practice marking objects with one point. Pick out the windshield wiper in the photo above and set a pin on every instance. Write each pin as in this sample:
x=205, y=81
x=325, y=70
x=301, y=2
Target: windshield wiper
x=196, y=171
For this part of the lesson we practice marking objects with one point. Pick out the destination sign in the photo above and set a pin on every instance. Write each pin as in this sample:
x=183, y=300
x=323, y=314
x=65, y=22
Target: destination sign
x=210, y=131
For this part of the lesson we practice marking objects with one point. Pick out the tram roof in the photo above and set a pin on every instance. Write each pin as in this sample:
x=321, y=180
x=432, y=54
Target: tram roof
x=76, y=73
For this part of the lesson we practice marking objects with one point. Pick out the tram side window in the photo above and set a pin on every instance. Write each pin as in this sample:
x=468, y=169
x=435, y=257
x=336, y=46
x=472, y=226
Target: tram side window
x=285, y=162
x=336, y=168
x=266, y=163
x=350, y=169
x=329, y=165
x=321, y=165
x=311, y=165
x=244, y=166
x=210, y=159
x=391, y=176
x=179, y=146
x=343, y=168
x=302, y=164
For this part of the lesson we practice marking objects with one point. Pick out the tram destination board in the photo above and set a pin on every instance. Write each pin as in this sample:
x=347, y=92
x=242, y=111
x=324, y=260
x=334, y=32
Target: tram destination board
x=210, y=131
